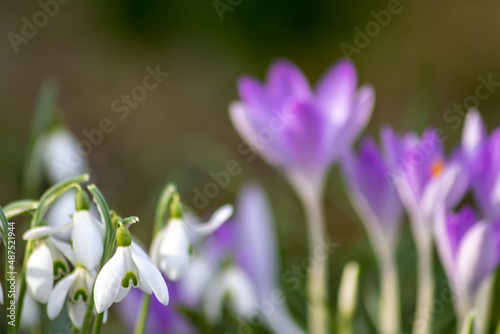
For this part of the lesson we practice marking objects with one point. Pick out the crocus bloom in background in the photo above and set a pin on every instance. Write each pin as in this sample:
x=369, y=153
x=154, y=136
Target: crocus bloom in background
x=419, y=167
x=373, y=196
x=483, y=158
x=299, y=130
x=381, y=211
x=469, y=251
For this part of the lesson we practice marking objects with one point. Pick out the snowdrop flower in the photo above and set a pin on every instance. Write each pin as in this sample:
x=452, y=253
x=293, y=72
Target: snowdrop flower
x=299, y=130
x=75, y=289
x=129, y=266
x=59, y=153
x=235, y=285
x=170, y=249
x=46, y=262
x=483, y=159
x=469, y=251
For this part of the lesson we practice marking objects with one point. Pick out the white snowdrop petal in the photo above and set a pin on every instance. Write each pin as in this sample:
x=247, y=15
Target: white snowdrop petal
x=108, y=281
x=64, y=248
x=87, y=239
x=219, y=217
x=59, y=294
x=76, y=313
x=45, y=231
x=122, y=293
x=152, y=276
x=173, y=251
x=40, y=273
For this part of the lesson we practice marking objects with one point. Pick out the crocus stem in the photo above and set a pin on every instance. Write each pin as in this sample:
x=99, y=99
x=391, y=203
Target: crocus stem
x=317, y=282
x=389, y=310
x=425, y=288
x=140, y=325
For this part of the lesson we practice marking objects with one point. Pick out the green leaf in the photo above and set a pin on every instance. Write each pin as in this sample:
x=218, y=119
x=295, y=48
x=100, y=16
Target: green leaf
x=53, y=193
x=42, y=119
x=106, y=217
x=4, y=227
x=17, y=208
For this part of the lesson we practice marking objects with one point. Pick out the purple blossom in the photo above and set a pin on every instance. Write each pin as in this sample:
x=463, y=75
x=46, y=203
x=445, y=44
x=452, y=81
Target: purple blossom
x=299, y=130
x=367, y=174
x=424, y=177
x=469, y=250
x=482, y=155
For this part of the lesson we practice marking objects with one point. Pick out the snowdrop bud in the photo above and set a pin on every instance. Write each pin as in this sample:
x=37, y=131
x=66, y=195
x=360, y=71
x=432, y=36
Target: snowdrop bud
x=82, y=201
x=176, y=207
x=123, y=238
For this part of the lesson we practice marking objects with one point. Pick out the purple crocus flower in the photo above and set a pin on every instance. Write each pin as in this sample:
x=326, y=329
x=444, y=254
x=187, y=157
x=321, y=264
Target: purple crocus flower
x=424, y=177
x=483, y=158
x=469, y=251
x=372, y=195
x=299, y=130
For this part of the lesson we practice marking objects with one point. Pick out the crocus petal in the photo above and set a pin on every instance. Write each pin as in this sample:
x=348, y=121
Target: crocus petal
x=40, y=273
x=257, y=239
x=58, y=296
x=219, y=217
x=474, y=134
x=476, y=258
x=152, y=276
x=286, y=81
x=1, y=294
x=335, y=91
x=109, y=281
x=45, y=231
x=87, y=239
x=77, y=312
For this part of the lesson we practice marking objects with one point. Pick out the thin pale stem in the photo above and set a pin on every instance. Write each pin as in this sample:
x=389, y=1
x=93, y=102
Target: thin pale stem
x=425, y=289
x=389, y=310
x=317, y=282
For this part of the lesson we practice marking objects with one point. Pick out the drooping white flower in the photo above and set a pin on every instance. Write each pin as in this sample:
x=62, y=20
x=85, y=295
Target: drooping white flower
x=75, y=289
x=130, y=265
x=171, y=246
x=235, y=285
x=59, y=154
x=47, y=261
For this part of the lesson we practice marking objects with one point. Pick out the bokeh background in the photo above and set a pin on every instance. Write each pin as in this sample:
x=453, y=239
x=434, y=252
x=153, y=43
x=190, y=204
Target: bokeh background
x=427, y=59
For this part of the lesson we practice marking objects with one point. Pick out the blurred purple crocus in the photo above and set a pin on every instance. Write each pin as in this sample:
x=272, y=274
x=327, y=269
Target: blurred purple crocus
x=381, y=212
x=424, y=177
x=470, y=251
x=426, y=182
x=482, y=155
x=373, y=197
x=299, y=130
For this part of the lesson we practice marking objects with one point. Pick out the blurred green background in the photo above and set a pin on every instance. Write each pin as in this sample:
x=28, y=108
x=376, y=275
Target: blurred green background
x=427, y=58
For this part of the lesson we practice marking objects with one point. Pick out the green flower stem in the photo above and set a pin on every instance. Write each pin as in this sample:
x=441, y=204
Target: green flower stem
x=108, y=242
x=162, y=212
